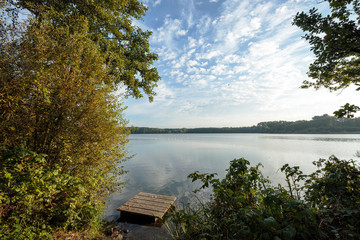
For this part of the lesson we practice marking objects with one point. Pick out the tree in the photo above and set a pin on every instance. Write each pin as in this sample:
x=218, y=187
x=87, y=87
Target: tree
x=62, y=132
x=123, y=46
x=335, y=41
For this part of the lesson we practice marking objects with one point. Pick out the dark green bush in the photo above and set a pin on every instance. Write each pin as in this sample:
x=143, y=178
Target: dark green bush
x=323, y=205
x=334, y=192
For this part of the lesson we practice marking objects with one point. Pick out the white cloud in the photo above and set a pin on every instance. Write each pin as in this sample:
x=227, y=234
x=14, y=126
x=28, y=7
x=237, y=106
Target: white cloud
x=220, y=69
x=164, y=94
x=169, y=32
x=153, y=3
x=166, y=54
x=204, y=24
x=180, y=62
x=264, y=48
x=176, y=73
x=192, y=63
x=190, y=52
x=192, y=42
x=211, y=54
x=241, y=69
x=232, y=58
x=188, y=12
x=236, y=25
x=157, y=2
x=181, y=32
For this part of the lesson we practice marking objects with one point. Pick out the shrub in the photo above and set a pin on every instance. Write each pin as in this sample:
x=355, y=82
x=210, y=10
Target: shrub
x=334, y=192
x=246, y=206
x=37, y=199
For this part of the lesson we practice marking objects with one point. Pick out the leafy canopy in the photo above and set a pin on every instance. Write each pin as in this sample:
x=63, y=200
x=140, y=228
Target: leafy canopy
x=123, y=46
x=335, y=41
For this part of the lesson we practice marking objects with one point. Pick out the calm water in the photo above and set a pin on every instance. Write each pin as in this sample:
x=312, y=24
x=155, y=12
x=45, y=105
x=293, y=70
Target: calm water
x=162, y=162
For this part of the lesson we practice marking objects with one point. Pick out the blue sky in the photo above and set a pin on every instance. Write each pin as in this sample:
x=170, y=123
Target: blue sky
x=229, y=63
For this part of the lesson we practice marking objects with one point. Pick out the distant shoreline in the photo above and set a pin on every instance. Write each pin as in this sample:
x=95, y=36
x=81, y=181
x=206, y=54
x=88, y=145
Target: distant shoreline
x=324, y=124
x=250, y=133
x=161, y=132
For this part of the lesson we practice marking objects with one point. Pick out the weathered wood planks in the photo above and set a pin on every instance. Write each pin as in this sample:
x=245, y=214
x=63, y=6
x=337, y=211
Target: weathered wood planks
x=148, y=204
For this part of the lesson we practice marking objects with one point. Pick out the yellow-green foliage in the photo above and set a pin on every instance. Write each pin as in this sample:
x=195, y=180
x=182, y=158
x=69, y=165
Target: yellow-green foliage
x=62, y=134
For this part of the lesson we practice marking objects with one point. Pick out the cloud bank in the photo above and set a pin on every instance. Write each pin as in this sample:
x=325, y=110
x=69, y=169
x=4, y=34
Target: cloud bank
x=229, y=63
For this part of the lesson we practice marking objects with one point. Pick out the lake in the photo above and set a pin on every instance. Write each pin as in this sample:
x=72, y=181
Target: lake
x=162, y=162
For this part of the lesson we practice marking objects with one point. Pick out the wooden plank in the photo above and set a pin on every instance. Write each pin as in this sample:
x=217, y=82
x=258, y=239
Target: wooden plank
x=147, y=207
x=169, y=198
x=157, y=201
x=132, y=207
x=146, y=212
x=153, y=198
x=151, y=201
x=148, y=204
x=140, y=210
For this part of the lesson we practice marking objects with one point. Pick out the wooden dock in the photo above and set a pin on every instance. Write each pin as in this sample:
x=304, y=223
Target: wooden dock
x=148, y=205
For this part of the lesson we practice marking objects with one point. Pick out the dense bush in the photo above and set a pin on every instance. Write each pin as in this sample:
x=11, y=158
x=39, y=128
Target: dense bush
x=322, y=205
x=37, y=199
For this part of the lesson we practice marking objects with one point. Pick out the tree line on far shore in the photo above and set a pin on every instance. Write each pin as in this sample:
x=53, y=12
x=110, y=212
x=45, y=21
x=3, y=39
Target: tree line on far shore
x=318, y=124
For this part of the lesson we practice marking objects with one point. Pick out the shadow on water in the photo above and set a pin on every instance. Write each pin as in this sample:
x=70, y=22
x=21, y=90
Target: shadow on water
x=139, y=219
x=141, y=227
